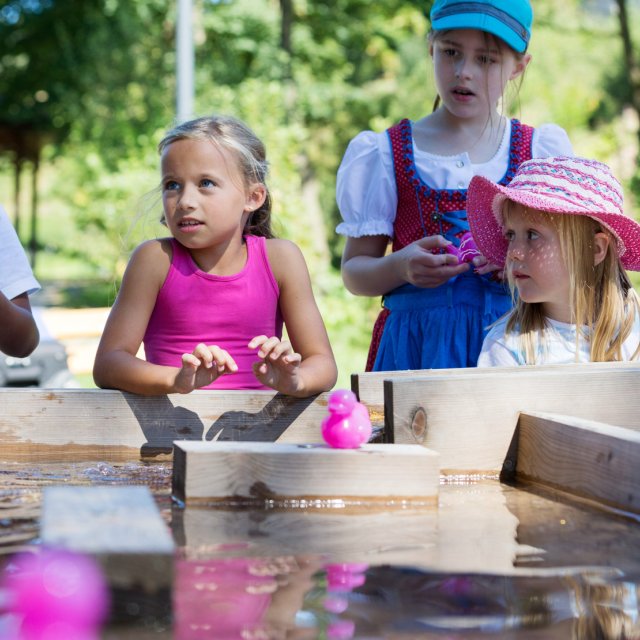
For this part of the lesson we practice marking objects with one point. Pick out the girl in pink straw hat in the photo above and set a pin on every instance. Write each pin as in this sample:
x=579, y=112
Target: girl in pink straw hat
x=407, y=187
x=560, y=230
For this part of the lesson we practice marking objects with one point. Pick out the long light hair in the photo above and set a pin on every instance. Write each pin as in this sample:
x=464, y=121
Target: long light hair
x=231, y=134
x=603, y=302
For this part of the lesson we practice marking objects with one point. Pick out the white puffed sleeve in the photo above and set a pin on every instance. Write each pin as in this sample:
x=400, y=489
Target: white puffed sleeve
x=366, y=187
x=550, y=140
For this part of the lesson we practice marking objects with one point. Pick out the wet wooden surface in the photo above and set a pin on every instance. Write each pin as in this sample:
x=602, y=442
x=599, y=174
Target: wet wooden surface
x=119, y=526
x=491, y=559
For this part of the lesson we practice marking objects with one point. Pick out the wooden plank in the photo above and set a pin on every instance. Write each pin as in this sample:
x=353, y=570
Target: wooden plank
x=470, y=418
x=119, y=525
x=589, y=459
x=315, y=474
x=51, y=425
x=369, y=385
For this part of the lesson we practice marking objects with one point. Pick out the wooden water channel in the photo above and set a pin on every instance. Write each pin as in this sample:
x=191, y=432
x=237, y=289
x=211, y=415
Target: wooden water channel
x=532, y=531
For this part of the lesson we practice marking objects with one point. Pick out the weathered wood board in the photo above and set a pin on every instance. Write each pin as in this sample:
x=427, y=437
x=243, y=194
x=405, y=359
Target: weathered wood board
x=590, y=459
x=470, y=418
x=369, y=385
x=257, y=471
x=118, y=525
x=51, y=425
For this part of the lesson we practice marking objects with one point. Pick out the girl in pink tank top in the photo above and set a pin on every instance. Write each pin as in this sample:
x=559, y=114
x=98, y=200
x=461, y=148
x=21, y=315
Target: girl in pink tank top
x=209, y=303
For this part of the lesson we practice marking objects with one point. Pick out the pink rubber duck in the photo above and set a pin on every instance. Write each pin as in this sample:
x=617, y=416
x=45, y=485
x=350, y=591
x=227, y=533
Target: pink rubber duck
x=348, y=425
x=467, y=250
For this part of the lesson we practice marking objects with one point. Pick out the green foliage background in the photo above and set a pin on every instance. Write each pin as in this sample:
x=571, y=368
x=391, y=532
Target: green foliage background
x=97, y=78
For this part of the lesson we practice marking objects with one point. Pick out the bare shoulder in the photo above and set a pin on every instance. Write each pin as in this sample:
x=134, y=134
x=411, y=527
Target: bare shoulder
x=151, y=259
x=153, y=249
x=286, y=258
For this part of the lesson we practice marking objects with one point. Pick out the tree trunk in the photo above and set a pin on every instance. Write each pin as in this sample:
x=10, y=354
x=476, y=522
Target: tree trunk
x=286, y=8
x=309, y=183
x=631, y=63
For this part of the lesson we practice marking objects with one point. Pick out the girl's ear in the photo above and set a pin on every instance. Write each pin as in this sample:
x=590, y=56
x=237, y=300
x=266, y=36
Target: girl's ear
x=600, y=247
x=256, y=195
x=521, y=64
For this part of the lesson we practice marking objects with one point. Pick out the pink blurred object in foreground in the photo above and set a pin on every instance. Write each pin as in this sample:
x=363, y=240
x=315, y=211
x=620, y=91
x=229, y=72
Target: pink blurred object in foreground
x=467, y=250
x=348, y=425
x=345, y=576
x=57, y=595
x=341, y=579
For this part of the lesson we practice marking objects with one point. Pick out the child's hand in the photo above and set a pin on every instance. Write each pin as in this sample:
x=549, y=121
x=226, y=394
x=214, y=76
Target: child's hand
x=202, y=367
x=482, y=266
x=424, y=268
x=278, y=367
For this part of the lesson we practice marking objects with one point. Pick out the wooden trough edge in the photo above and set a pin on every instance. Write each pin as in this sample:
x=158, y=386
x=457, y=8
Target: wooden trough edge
x=591, y=460
x=470, y=418
x=55, y=425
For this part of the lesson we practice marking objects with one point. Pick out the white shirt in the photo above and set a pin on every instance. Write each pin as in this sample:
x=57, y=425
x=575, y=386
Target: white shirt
x=505, y=350
x=16, y=276
x=366, y=184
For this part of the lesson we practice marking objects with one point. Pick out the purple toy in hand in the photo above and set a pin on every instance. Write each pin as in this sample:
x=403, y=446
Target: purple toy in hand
x=348, y=425
x=467, y=250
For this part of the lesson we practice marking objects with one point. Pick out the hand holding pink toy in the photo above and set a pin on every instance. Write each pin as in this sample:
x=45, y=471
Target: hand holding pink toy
x=348, y=425
x=467, y=251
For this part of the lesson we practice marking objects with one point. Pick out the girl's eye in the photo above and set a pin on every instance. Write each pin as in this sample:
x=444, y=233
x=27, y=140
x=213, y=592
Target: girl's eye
x=487, y=59
x=207, y=184
x=451, y=53
x=171, y=185
x=509, y=235
x=532, y=234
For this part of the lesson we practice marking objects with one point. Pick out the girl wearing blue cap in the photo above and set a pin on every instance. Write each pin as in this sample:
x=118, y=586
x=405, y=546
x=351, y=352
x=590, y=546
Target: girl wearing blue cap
x=408, y=185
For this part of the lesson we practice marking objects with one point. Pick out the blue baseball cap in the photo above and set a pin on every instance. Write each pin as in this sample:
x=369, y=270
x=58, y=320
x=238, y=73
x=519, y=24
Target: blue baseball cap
x=509, y=20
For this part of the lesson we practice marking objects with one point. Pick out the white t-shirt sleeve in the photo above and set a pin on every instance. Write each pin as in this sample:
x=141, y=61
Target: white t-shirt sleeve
x=495, y=350
x=366, y=187
x=16, y=276
x=550, y=140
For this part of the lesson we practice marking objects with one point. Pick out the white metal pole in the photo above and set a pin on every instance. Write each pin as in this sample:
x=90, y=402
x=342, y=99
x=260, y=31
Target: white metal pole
x=185, y=61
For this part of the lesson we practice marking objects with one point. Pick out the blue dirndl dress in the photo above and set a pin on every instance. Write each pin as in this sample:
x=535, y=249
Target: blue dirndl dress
x=443, y=327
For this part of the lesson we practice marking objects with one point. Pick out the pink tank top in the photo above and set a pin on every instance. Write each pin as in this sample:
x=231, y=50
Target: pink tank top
x=193, y=306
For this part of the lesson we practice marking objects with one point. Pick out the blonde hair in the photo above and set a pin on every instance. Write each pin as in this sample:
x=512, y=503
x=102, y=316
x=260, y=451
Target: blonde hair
x=233, y=135
x=603, y=303
x=605, y=610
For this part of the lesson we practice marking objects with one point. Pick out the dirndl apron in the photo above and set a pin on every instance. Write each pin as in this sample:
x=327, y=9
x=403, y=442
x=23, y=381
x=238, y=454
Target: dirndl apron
x=442, y=327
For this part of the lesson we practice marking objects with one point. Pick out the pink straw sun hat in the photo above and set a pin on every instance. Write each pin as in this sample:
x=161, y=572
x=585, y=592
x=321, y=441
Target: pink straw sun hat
x=573, y=186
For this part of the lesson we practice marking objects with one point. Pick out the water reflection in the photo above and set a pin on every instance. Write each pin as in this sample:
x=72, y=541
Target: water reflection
x=241, y=597
x=299, y=597
x=489, y=561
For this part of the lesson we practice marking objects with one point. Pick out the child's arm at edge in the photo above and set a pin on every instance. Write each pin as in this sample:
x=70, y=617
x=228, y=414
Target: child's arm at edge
x=317, y=371
x=116, y=365
x=19, y=334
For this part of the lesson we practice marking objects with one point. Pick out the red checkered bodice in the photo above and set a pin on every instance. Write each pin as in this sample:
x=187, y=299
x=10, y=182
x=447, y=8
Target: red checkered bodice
x=424, y=211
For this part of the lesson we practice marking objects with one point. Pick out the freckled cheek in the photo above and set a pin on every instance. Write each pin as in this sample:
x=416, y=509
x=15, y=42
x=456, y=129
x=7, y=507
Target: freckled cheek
x=549, y=263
